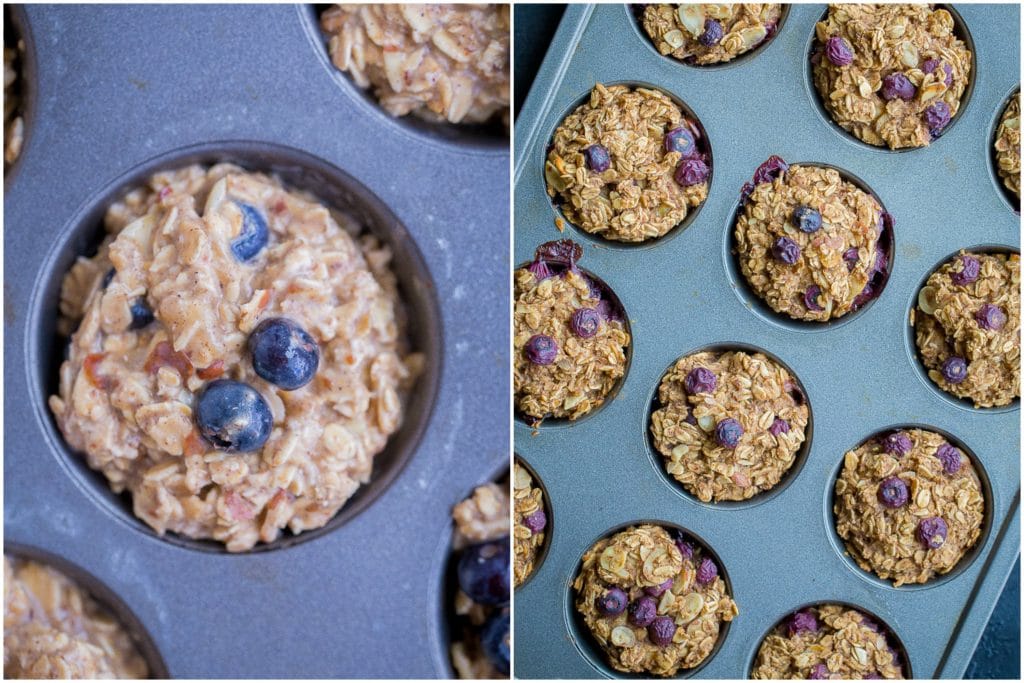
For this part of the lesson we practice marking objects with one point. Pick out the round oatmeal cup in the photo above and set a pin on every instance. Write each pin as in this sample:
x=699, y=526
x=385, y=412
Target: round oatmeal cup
x=581, y=179
x=1004, y=156
x=782, y=247
x=534, y=521
x=363, y=213
x=475, y=131
x=794, y=647
x=935, y=122
x=776, y=448
x=943, y=524
x=691, y=39
x=958, y=352
x=19, y=87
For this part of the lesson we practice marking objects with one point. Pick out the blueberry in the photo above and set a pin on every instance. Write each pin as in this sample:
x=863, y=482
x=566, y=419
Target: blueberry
x=937, y=117
x=838, y=51
x=700, y=381
x=893, y=492
x=950, y=458
x=541, y=349
x=692, y=172
x=807, y=219
x=233, y=416
x=685, y=548
x=585, y=322
x=495, y=640
x=970, y=268
x=142, y=314
x=772, y=168
x=819, y=672
x=931, y=64
x=811, y=298
x=954, y=370
x=283, y=353
x=803, y=622
x=536, y=521
x=657, y=591
x=990, y=317
x=897, y=85
x=642, y=611
x=786, y=250
x=598, y=158
x=779, y=426
x=932, y=532
x=107, y=277
x=707, y=571
x=728, y=433
x=484, y=572
x=254, y=233
x=661, y=631
x=612, y=603
x=897, y=443
x=852, y=257
x=712, y=33
x=682, y=140
x=540, y=270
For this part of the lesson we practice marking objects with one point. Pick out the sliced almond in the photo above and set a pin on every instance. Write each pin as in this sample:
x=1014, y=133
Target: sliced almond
x=692, y=18
x=674, y=38
x=623, y=636
x=693, y=603
x=926, y=300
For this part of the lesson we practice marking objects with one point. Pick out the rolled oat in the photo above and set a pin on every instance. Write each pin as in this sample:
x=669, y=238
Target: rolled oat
x=530, y=523
x=710, y=34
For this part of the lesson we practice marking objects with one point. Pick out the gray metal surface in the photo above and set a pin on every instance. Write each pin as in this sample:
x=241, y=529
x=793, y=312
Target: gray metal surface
x=118, y=91
x=682, y=293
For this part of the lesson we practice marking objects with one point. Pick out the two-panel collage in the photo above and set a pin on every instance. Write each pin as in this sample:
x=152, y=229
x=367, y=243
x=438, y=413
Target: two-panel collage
x=490, y=341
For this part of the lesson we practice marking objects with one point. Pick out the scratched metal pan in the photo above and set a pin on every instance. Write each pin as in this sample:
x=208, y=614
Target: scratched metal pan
x=115, y=93
x=684, y=293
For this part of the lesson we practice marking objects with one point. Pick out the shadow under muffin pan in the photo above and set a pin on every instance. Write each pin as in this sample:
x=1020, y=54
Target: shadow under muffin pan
x=658, y=460
x=1012, y=200
x=753, y=302
x=490, y=137
x=636, y=12
x=911, y=335
x=969, y=557
x=859, y=376
x=549, y=528
x=259, y=97
x=960, y=30
x=588, y=645
x=556, y=202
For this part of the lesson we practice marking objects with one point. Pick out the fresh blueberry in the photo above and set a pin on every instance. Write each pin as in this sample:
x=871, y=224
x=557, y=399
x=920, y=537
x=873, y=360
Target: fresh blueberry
x=142, y=314
x=712, y=33
x=786, y=250
x=931, y=64
x=541, y=349
x=897, y=443
x=950, y=457
x=893, y=492
x=495, y=640
x=254, y=234
x=819, y=672
x=838, y=51
x=107, y=277
x=807, y=219
x=937, y=117
x=954, y=370
x=779, y=426
x=484, y=570
x=728, y=433
x=536, y=521
x=642, y=611
x=811, y=298
x=661, y=631
x=682, y=140
x=233, y=416
x=970, y=268
x=612, y=603
x=897, y=85
x=803, y=622
x=657, y=591
x=283, y=353
x=707, y=571
x=598, y=158
x=700, y=381
x=932, y=532
x=692, y=172
x=585, y=322
x=990, y=317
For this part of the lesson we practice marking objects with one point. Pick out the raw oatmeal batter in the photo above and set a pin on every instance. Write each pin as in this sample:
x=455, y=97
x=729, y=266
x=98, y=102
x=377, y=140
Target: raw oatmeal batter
x=438, y=62
x=828, y=642
x=967, y=327
x=1008, y=146
x=218, y=274
x=890, y=74
x=908, y=505
x=729, y=424
x=710, y=34
x=531, y=523
x=54, y=629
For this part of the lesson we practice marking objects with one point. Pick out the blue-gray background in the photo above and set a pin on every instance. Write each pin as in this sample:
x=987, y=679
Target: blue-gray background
x=998, y=653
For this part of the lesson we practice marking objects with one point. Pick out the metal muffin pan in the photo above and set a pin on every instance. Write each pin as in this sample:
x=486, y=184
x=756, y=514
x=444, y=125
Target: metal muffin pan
x=117, y=92
x=779, y=550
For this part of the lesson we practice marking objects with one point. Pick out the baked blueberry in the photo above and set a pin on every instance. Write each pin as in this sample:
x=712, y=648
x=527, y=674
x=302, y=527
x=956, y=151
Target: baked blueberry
x=931, y=64
x=778, y=426
x=932, y=532
x=681, y=140
x=700, y=381
x=803, y=622
x=657, y=591
x=612, y=603
x=807, y=219
x=990, y=317
x=598, y=158
x=541, y=349
x=661, y=631
x=954, y=369
x=728, y=433
x=712, y=34
x=692, y=172
x=142, y=314
x=536, y=521
x=585, y=322
x=254, y=235
x=233, y=416
x=495, y=640
x=707, y=571
x=897, y=443
x=893, y=492
x=838, y=51
x=484, y=572
x=819, y=672
x=897, y=85
x=786, y=250
x=950, y=458
x=283, y=353
x=970, y=268
x=642, y=611
x=937, y=117
x=811, y=298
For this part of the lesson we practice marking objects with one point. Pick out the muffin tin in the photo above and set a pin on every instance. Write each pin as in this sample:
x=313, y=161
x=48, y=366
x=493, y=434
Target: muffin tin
x=118, y=92
x=780, y=551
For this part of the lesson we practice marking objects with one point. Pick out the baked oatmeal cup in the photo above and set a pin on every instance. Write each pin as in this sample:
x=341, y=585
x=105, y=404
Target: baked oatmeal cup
x=239, y=358
x=908, y=505
x=967, y=327
x=709, y=34
x=531, y=523
x=729, y=424
x=811, y=244
x=14, y=123
x=481, y=639
x=653, y=600
x=627, y=164
x=442, y=63
x=891, y=75
x=55, y=629
x=829, y=642
x=570, y=336
x=1007, y=146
